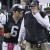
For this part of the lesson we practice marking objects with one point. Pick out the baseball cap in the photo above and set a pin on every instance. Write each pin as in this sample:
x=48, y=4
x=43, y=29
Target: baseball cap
x=34, y=3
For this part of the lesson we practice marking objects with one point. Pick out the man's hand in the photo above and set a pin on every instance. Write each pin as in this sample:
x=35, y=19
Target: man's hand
x=21, y=45
x=7, y=35
x=34, y=9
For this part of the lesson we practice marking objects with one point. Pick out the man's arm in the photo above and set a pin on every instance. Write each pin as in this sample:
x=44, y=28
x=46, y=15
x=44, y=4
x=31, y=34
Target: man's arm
x=21, y=39
x=3, y=22
x=43, y=21
x=22, y=31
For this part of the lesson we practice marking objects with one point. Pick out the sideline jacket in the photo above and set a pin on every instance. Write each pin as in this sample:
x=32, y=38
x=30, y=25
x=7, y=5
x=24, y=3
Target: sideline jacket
x=42, y=22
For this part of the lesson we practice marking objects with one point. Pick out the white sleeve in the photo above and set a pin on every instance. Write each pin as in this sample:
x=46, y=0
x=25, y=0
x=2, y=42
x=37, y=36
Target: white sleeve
x=22, y=32
x=3, y=21
x=43, y=21
x=1, y=16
